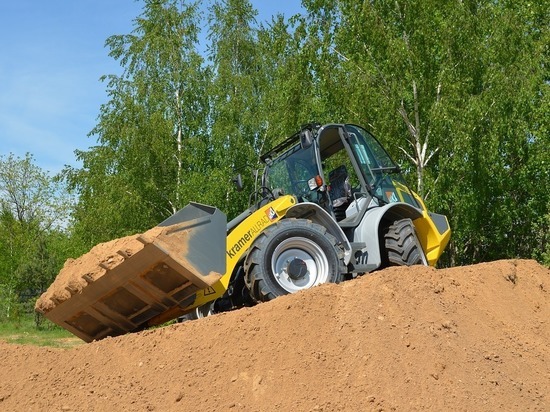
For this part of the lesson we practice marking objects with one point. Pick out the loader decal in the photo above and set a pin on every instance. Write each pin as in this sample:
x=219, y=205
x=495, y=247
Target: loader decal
x=209, y=291
x=248, y=236
x=271, y=214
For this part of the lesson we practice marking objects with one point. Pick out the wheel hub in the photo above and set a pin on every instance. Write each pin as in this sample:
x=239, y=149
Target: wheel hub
x=297, y=269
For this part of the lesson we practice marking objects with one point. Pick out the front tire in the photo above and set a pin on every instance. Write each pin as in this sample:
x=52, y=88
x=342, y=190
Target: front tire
x=292, y=255
x=402, y=245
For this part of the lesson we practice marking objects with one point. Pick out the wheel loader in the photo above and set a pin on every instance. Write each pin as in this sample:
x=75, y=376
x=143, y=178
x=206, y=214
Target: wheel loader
x=331, y=205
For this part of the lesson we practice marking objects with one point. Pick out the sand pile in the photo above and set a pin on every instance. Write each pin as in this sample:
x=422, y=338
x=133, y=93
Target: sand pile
x=76, y=274
x=473, y=338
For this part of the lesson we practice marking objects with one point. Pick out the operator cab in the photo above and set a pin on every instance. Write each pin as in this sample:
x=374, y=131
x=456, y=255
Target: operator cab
x=341, y=167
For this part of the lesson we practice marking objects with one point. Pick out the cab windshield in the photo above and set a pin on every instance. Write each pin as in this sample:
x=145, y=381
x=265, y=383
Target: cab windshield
x=379, y=170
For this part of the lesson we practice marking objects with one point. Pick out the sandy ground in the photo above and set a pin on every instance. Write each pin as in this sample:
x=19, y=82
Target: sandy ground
x=474, y=338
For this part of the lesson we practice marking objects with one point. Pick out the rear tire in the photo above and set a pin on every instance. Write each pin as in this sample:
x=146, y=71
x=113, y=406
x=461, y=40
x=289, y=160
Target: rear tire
x=402, y=245
x=292, y=255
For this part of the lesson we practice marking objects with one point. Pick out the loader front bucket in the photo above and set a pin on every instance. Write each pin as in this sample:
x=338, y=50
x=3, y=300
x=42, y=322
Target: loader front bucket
x=180, y=256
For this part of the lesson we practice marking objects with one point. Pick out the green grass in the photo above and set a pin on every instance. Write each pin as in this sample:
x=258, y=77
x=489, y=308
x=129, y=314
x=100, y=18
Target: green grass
x=24, y=332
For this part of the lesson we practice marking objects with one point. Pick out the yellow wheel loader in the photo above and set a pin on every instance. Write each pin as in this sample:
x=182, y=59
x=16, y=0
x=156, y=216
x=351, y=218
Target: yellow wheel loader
x=332, y=205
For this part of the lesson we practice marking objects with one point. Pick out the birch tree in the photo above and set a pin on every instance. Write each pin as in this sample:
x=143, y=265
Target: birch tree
x=151, y=133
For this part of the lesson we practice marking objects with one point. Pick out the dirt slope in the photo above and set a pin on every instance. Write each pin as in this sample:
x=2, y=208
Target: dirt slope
x=473, y=338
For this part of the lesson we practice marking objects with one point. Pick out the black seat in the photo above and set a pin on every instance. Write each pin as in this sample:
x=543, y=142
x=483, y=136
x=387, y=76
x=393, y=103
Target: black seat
x=339, y=191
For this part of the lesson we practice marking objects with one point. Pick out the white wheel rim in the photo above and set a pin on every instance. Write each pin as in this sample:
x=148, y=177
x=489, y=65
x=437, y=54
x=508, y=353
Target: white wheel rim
x=310, y=253
x=204, y=310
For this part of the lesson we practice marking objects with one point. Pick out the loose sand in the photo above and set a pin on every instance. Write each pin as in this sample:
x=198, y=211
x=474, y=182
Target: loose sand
x=474, y=338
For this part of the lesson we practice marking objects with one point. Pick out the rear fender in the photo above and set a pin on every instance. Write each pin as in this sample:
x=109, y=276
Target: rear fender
x=317, y=214
x=433, y=232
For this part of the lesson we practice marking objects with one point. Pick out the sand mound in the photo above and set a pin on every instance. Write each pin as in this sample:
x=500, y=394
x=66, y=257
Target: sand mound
x=76, y=274
x=403, y=339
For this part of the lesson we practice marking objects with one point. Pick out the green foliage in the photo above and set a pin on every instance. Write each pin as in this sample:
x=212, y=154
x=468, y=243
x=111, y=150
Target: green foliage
x=492, y=167
x=235, y=137
x=456, y=91
x=33, y=238
x=152, y=132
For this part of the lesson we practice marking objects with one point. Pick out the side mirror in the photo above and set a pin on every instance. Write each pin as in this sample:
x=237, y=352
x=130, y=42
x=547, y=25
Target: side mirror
x=306, y=138
x=238, y=181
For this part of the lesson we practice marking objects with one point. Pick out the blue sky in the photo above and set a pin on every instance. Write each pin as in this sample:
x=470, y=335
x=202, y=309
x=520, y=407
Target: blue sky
x=51, y=59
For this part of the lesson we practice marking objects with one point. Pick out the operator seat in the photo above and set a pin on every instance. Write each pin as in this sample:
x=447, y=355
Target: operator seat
x=339, y=191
